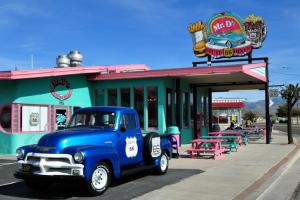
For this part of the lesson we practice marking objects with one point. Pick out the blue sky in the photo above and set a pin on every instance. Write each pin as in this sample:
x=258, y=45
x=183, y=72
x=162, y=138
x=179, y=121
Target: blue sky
x=153, y=32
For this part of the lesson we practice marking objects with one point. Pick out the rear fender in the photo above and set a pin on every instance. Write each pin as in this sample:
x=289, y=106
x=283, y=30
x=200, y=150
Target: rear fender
x=166, y=145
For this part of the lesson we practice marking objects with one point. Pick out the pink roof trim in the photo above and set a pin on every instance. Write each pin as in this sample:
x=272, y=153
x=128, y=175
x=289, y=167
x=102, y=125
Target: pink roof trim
x=177, y=72
x=38, y=73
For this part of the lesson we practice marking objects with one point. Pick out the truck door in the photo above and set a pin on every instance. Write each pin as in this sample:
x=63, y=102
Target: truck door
x=130, y=140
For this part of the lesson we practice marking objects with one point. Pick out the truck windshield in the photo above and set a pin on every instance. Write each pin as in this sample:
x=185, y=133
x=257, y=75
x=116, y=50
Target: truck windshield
x=98, y=119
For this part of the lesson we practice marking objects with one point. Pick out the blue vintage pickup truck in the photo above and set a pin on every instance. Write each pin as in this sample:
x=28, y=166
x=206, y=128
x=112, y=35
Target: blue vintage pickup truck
x=99, y=144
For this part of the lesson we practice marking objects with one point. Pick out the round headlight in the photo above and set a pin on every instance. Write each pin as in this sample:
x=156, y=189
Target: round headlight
x=20, y=153
x=78, y=157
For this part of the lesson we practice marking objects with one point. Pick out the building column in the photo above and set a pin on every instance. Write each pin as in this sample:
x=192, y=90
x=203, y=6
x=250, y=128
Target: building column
x=195, y=110
x=210, y=110
x=178, y=104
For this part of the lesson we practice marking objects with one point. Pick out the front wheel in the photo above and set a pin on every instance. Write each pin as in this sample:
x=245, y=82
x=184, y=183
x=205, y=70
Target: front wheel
x=100, y=180
x=163, y=164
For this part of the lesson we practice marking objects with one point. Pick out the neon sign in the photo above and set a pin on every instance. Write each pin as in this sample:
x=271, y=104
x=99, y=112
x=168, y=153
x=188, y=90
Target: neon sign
x=60, y=82
x=227, y=35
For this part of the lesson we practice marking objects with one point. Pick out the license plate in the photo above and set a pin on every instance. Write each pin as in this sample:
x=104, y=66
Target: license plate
x=26, y=168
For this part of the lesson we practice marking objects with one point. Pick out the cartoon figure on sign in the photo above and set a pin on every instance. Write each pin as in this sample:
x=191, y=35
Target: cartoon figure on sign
x=198, y=35
x=60, y=119
x=131, y=148
x=256, y=30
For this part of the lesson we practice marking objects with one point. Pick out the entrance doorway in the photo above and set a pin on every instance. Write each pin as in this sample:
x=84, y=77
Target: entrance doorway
x=60, y=117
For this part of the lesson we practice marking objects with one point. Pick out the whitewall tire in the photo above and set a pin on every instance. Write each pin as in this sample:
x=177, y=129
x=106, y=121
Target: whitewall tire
x=163, y=164
x=100, y=180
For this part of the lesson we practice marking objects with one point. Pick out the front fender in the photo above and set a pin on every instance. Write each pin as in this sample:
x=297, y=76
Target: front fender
x=95, y=154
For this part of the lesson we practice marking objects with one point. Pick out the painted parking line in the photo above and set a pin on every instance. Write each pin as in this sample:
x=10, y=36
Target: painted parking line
x=4, y=164
x=10, y=183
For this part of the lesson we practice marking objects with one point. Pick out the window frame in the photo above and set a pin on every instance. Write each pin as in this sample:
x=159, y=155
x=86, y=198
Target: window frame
x=48, y=116
x=125, y=88
x=169, y=118
x=11, y=118
x=53, y=119
x=185, y=109
x=116, y=99
x=143, y=110
x=157, y=125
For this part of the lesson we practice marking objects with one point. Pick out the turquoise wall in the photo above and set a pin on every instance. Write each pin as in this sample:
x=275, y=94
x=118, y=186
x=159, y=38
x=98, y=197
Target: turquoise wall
x=7, y=92
x=37, y=91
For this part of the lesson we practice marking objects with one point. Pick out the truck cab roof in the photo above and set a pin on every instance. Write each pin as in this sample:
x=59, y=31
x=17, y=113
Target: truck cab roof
x=106, y=108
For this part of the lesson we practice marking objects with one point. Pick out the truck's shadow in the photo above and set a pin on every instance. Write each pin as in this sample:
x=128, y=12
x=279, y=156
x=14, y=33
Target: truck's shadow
x=127, y=188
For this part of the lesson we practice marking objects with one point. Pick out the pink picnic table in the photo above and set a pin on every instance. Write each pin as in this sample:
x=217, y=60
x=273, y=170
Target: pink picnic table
x=233, y=133
x=215, y=148
x=216, y=133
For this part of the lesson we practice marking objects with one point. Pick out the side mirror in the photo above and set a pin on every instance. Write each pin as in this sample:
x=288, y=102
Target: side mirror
x=122, y=129
x=61, y=128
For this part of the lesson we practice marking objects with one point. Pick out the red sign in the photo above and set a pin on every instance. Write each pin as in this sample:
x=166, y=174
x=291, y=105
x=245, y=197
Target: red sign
x=60, y=82
x=224, y=24
x=229, y=52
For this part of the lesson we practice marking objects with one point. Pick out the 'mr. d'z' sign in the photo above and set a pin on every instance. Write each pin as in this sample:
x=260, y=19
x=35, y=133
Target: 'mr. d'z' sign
x=63, y=85
x=227, y=35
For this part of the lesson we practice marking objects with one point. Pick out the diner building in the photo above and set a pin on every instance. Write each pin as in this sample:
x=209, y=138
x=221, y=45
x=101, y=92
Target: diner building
x=38, y=101
x=227, y=110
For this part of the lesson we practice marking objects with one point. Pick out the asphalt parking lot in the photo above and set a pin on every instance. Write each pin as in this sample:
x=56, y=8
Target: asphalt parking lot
x=128, y=188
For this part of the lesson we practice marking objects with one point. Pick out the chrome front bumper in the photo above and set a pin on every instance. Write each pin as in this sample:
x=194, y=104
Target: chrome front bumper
x=50, y=165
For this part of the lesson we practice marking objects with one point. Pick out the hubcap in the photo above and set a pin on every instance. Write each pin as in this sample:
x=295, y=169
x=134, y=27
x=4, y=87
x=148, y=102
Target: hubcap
x=99, y=178
x=163, y=162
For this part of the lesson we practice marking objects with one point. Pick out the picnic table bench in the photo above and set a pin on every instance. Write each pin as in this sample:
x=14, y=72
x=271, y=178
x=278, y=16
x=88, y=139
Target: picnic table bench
x=244, y=137
x=255, y=134
x=206, y=146
x=230, y=143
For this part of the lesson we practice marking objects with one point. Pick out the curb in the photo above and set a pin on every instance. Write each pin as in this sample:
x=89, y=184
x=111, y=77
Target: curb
x=258, y=183
x=296, y=192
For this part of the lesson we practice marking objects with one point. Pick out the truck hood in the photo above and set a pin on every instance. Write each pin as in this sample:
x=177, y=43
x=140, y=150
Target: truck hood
x=56, y=142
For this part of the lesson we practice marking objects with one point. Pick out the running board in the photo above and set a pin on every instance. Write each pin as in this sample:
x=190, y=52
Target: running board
x=136, y=169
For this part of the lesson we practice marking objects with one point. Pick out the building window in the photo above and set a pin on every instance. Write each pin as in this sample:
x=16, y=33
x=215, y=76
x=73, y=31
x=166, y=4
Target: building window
x=125, y=97
x=185, y=104
x=139, y=104
x=34, y=118
x=5, y=118
x=152, y=101
x=169, y=110
x=112, y=97
x=99, y=97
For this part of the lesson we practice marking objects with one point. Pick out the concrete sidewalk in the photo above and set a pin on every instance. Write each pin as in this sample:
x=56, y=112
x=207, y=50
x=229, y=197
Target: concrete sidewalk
x=239, y=175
